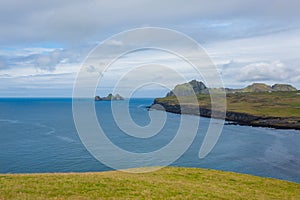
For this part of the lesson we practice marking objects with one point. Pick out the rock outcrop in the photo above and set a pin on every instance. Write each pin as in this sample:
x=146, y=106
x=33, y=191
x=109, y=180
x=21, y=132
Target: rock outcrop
x=109, y=97
x=190, y=88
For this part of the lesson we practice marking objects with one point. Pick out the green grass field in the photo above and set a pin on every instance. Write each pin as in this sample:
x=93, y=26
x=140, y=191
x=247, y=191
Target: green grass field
x=167, y=183
x=264, y=104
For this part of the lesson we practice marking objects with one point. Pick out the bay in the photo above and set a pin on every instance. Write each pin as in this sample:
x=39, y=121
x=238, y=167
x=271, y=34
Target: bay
x=38, y=135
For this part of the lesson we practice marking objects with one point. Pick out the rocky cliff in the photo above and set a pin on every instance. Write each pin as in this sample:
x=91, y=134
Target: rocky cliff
x=259, y=104
x=232, y=117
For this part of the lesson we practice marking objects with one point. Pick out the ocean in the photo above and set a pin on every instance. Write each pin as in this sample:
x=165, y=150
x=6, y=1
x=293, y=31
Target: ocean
x=38, y=135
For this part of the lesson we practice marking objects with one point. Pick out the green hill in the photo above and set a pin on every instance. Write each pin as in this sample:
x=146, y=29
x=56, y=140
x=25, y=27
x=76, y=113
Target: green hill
x=262, y=87
x=283, y=87
x=187, y=89
x=198, y=87
x=167, y=183
x=257, y=87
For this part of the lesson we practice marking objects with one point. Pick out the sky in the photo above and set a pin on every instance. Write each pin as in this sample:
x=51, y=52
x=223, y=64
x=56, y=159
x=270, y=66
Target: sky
x=44, y=43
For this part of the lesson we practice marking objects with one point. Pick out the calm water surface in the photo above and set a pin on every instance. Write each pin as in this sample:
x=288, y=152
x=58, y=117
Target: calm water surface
x=39, y=135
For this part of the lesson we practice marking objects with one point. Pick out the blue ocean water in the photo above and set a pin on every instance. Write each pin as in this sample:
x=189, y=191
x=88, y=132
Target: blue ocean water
x=39, y=135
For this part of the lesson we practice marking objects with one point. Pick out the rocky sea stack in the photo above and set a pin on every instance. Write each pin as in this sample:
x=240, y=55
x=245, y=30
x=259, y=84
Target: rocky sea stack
x=109, y=97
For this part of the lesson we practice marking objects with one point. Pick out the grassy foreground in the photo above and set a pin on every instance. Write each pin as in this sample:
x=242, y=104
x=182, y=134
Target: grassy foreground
x=167, y=183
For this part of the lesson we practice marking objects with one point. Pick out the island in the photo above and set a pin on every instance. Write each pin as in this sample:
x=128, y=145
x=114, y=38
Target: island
x=109, y=97
x=259, y=104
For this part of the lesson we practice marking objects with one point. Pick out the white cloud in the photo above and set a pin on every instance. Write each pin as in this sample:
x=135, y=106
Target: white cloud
x=263, y=71
x=48, y=61
x=115, y=42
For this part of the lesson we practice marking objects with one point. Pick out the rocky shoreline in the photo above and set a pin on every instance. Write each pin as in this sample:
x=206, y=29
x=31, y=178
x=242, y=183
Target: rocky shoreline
x=259, y=104
x=233, y=117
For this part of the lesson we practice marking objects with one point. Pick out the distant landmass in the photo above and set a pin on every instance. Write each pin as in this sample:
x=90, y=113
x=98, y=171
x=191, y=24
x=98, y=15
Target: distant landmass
x=262, y=87
x=109, y=97
x=198, y=87
x=259, y=104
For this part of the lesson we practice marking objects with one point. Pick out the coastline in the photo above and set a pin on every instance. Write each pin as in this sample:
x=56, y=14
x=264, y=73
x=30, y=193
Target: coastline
x=233, y=118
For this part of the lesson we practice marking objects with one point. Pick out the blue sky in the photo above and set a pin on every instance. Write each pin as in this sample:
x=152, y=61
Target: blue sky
x=43, y=43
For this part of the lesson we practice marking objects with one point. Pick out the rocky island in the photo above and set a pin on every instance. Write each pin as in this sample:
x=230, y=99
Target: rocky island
x=109, y=97
x=259, y=104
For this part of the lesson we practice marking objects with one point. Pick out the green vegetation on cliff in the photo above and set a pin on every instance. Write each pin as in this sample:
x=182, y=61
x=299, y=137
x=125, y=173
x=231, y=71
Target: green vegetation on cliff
x=264, y=104
x=276, y=106
x=261, y=87
x=198, y=87
x=167, y=183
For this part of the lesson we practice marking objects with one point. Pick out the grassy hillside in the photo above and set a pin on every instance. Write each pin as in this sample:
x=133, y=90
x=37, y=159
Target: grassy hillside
x=275, y=104
x=168, y=183
x=264, y=104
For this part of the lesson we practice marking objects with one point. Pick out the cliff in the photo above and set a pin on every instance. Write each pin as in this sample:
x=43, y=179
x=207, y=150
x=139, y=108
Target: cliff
x=233, y=117
x=276, y=106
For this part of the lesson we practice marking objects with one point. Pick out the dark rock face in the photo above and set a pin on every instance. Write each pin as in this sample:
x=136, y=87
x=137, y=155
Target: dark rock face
x=190, y=88
x=97, y=98
x=109, y=97
x=197, y=86
x=237, y=118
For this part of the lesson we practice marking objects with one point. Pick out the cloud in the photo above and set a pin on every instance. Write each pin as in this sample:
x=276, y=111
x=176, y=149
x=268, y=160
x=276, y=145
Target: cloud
x=3, y=64
x=79, y=21
x=5, y=76
x=91, y=69
x=264, y=71
x=46, y=59
x=115, y=43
